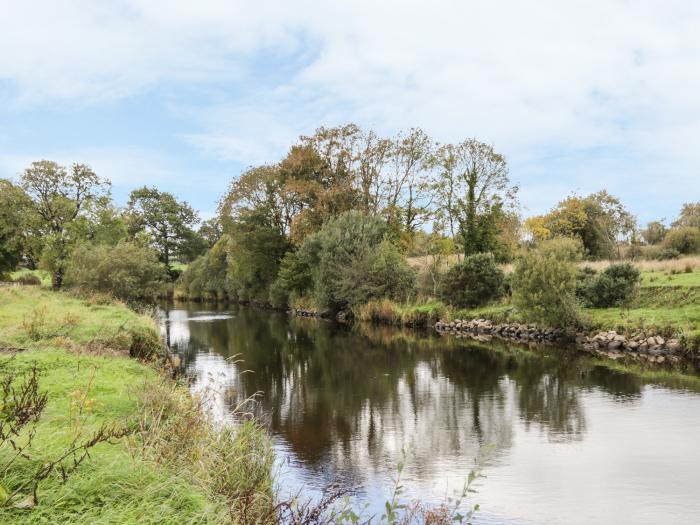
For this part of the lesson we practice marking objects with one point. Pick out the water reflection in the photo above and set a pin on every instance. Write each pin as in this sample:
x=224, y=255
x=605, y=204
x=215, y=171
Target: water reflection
x=345, y=402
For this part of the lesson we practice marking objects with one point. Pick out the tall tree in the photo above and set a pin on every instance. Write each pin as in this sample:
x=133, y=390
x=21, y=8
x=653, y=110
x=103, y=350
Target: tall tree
x=598, y=220
x=14, y=205
x=473, y=190
x=690, y=216
x=59, y=197
x=165, y=221
x=654, y=232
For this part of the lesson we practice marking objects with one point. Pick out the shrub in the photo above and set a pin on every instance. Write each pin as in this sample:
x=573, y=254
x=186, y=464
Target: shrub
x=614, y=286
x=684, y=240
x=473, y=282
x=28, y=279
x=544, y=283
x=128, y=270
x=585, y=277
x=663, y=254
x=348, y=263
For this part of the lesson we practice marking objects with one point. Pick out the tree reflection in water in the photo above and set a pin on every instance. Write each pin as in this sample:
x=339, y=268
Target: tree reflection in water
x=344, y=402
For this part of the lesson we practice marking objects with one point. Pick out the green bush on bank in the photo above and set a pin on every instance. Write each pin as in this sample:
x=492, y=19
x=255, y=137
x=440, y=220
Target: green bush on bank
x=616, y=285
x=346, y=264
x=127, y=270
x=473, y=282
x=544, y=283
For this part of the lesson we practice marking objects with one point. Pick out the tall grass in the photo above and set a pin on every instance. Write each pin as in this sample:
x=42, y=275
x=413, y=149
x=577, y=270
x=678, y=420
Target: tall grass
x=672, y=265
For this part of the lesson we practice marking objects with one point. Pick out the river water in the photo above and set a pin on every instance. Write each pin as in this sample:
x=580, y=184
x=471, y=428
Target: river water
x=562, y=439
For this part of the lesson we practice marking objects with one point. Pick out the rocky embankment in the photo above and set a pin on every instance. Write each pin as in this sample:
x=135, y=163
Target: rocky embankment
x=637, y=346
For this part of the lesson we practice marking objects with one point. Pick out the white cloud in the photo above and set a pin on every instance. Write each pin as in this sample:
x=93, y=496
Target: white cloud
x=530, y=77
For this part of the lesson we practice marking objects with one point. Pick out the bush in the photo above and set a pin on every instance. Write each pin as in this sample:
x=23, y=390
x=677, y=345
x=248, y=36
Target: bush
x=544, y=283
x=127, y=271
x=685, y=240
x=348, y=263
x=662, y=254
x=614, y=286
x=28, y=279
x=585, y=277
x=473, y=282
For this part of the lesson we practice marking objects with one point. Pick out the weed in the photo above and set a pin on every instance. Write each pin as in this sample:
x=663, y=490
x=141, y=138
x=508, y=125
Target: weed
x=34, y=325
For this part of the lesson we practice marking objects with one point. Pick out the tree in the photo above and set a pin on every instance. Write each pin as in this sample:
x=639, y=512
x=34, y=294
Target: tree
x=211, y=231
x=14, y=204
x=59, y=197
x=472, y=191
x=689, y=217
x=654, y=233
x=165, y=221
x=406, y=183
x=684, y=240
x=598, y=220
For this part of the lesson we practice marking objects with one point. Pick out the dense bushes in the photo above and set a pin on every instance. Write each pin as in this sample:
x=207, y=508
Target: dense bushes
x=127, y=271
x=473, y=282
x=684, y=240
x=614, y=286
x=347, y=263
x=544, y=283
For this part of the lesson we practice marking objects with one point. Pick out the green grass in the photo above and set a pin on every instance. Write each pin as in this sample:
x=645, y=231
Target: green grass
x=121, y=483
x=660, y=278
x=114, y=487
x=44, y=276
x=31, y=317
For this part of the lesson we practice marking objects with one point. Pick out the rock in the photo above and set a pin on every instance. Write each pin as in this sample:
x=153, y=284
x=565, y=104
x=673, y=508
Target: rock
x=674, y=345
x=659, y=340
x=620, y=338
x=614, y=345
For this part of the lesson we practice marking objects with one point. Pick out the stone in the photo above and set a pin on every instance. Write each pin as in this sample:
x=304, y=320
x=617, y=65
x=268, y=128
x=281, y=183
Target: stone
x=614, y=345
x=674, y=345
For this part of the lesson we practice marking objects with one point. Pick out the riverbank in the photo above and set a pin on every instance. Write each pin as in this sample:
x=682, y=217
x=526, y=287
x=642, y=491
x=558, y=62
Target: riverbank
x=163, y=461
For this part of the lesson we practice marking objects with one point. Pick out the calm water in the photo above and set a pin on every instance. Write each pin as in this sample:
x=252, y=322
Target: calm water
x=570, y=442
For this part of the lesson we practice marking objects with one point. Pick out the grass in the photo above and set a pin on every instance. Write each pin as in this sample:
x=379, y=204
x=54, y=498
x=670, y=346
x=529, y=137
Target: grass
x=666, y=278
x=44, y=276
x=32, y=317
x=176, y=468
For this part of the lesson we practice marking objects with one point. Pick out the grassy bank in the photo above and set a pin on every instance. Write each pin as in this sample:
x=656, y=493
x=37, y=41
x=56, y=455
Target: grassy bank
x=170, y=467
x=668, y=302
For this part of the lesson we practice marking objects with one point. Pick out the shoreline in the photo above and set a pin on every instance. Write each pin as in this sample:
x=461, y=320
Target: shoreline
x=641, y=346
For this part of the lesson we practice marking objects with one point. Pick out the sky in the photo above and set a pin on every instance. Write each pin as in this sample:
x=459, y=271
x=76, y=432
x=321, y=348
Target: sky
x=578, y=95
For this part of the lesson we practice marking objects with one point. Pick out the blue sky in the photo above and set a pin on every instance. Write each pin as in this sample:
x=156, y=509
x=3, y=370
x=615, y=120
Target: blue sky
x=578, y=96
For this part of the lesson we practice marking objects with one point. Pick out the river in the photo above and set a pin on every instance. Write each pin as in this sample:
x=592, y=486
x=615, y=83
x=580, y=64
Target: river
x=562, y=439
